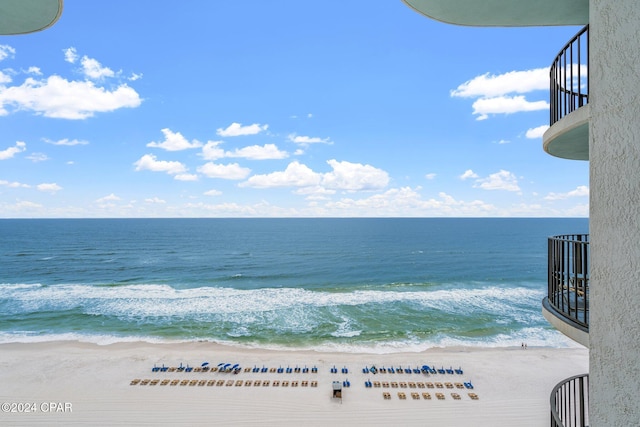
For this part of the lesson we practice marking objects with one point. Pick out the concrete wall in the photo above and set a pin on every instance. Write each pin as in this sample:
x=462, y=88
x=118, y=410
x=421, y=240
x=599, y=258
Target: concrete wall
x=614, y=152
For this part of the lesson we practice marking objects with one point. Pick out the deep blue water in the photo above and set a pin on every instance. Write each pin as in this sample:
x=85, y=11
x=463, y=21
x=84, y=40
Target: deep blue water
x=342, y=284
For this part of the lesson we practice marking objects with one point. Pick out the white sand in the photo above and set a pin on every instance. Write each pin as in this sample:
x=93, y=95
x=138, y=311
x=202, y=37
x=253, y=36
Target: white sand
x=71, y=383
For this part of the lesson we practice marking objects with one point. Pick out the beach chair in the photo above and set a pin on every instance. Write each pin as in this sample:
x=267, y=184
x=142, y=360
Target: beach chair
x=440, y=396
x=386, y=395
x=402, y=396
x=135, y=382
x=314, y=383
x=455, y=396
x=257, y=383
x=337, y=390
x=426, y=396
x=415, y=396
x=174, y=383
x=266, y=383
x=473, y=396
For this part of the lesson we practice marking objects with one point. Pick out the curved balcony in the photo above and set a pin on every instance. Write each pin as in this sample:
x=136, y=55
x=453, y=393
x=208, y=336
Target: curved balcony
x=570, y=402
x=566, y=306
x=568, y=136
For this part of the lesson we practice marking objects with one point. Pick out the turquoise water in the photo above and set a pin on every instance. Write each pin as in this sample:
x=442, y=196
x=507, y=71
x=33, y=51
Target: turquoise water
x=329, y=284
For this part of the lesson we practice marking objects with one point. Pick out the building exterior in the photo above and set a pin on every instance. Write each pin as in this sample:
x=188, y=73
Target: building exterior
x=598, y=121
x=28, y=16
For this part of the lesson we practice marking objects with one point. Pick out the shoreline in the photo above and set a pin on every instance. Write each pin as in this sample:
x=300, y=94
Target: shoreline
x=512, y=384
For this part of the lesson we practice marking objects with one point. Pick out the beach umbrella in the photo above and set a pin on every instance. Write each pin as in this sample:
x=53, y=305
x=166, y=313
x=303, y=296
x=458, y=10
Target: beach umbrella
x=205, y=364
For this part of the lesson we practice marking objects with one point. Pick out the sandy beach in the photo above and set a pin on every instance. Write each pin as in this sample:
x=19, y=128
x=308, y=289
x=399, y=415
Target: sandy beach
x=73, y=383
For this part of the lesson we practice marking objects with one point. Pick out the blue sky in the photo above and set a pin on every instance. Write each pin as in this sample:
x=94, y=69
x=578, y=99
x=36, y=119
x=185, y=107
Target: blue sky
x=278, y=109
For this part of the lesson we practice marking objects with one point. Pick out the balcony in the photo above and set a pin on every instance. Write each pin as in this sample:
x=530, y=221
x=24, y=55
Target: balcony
x=568, y=136
x=566, y=306
x=570, y=402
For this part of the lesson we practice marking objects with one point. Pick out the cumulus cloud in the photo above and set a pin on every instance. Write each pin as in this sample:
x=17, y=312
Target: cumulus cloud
x=186, y=177
x=65, y=141
x=150, y=162
x=505, y=105
x=491, y=85
x=580, y=191
x=212, y=150
x=495, y=92
x=257, y=152
x=70, y=55
x=537, y=132
x=468, y=174
x=430, y=176
x=307, y=140
x=6, y=51
x=295, y=175
x=10, y=152
x=174, y=141
x=110, y=198
x=236, y=129
x=49, y=187
x=59, y=98
x=231, y=171
x=354, y=177
x=13, y=184
x=94, y=70
x=502, y=180
x=212, y=193
x=344, y=176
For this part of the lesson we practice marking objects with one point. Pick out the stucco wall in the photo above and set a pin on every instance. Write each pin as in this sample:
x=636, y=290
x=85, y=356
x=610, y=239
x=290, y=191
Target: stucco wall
x=614, y=151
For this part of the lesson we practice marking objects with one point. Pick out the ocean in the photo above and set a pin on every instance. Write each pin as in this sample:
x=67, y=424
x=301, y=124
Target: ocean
x=354, y=285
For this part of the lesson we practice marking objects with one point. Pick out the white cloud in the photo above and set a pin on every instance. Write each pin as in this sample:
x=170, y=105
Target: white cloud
x=257, y=152
x=537, y=132
x=306, y=140
x=49, y=187
x=344, y=176
x=59, y=98
x=34, y=70
x=505, y=105
x=12, y=151
x=491, y=85
x=430, y=176
x=230, y=171
x=503, y=141
x=94, y=70
x=580, y=191
x=70, y=55
x=468, y=174
x=503, y=180
x=13, y=184
x=186, y=177
x=354, y=177
x=495, y=92
x=6, y=51
x=65, y=141
x=236, y=129
x=149, y=162
x=295, y=175
x=110, y=198
x=212, y=193
x=38, y=157
x=155, y=200
x=174, y=141
x=212, y=150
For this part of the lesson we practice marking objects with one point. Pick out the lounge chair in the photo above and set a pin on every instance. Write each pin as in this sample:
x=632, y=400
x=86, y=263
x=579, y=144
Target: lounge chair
x=455, y=396
x=440, y=396
x=135, y=382
x=402, y=395
x=415, y=396
x=426, y=396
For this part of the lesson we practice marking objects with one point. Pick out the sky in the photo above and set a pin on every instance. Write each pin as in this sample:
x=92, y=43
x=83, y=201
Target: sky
x=279, y=109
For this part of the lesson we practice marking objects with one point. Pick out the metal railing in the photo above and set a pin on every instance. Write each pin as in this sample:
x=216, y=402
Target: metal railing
x=568, y=76
x=568, y=277
x=570, y=402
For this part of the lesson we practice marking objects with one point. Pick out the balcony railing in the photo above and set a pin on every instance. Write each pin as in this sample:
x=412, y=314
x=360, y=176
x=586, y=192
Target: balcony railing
x=568, y=277
x=570, y=402
x=568, y=76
